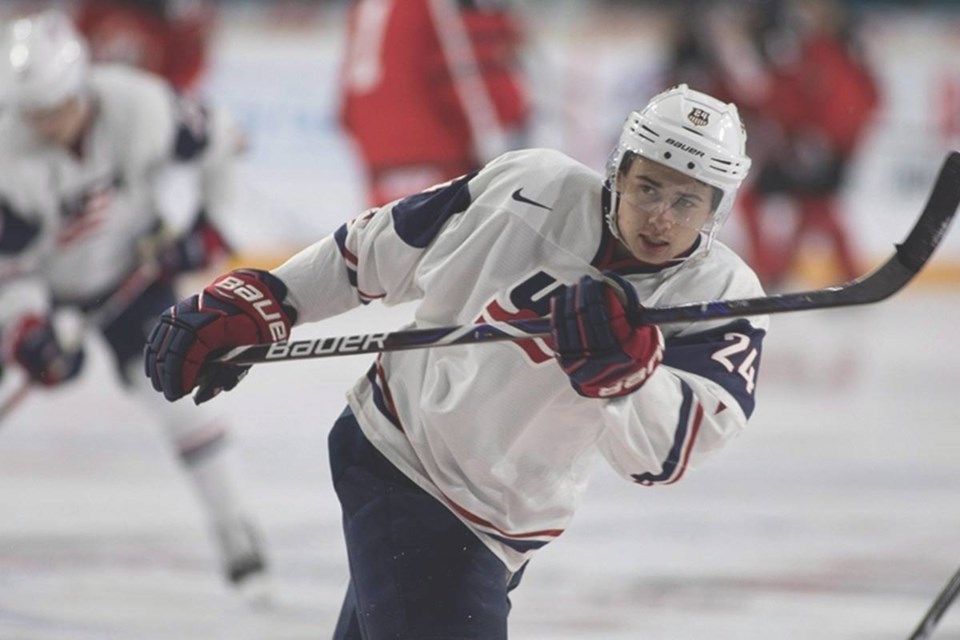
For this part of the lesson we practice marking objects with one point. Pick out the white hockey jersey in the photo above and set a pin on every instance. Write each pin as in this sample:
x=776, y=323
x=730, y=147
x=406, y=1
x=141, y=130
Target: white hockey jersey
x=70, y=224
x=496, y=431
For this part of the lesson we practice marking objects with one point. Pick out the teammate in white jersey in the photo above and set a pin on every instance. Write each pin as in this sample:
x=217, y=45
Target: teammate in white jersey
x=86, y=156
x=454, y=465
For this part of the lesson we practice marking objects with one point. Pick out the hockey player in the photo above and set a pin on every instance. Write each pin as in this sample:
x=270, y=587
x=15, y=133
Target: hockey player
x=85, y=153
x=454, y=465
x=450, y=71
x=170, y=39
x=809, y=96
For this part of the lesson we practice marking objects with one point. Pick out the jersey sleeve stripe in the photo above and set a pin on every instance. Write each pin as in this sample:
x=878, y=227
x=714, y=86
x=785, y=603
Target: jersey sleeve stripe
x=367, y=298
x=694, y=430
x=351, y=261
x=688, y=427
x=340, y=237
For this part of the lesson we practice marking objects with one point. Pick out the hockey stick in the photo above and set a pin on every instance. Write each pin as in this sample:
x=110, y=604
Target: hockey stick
x=937, y=609
x=124, y=295
x=890, y=277
x=13, y=400
x=118, y=302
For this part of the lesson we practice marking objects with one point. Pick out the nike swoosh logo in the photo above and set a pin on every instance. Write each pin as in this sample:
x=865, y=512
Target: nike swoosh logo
x=520, y=198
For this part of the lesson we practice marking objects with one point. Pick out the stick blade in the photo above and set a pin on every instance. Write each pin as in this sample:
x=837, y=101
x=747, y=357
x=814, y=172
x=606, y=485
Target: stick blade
x=941, y=207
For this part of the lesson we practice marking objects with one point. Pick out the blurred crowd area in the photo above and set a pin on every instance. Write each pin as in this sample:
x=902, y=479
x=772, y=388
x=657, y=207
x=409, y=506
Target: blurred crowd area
x=850, y=106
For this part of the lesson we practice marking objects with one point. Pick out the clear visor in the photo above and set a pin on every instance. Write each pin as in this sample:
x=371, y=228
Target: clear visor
x=661, y=195
x=655, y=190
x=688, y=205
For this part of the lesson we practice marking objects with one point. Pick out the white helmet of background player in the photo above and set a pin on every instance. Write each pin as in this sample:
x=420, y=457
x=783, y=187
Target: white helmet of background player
x=692, y=133
x=43, y=62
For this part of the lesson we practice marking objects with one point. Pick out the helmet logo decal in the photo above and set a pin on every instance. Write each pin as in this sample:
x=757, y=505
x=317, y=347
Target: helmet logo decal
x=685, y=147
x=698, y=117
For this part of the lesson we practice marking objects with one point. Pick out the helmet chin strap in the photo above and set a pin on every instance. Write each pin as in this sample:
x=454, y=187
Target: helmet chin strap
x=610, y=201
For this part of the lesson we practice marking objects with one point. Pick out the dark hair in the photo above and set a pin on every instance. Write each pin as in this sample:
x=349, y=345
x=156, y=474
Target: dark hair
x=627, y=161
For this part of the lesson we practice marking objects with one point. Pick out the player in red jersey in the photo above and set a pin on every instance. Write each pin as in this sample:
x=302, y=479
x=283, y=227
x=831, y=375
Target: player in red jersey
x=431, y=89
x=166, y=38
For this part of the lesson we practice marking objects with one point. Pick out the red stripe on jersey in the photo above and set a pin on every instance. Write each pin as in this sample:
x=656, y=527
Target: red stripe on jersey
x=370, y=297
x=349, y=257
x=81, y=228
x=477, y=520
x=691, y=440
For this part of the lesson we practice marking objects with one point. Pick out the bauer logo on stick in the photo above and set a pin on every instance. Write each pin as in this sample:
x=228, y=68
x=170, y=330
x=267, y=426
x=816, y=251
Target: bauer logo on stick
x=698, y=117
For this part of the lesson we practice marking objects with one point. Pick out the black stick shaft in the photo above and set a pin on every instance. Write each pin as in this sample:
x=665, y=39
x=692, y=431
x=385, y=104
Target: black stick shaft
x=949, y=593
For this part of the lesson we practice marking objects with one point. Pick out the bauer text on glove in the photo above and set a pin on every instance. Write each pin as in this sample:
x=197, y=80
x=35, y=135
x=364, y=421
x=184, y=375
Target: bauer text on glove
x=243, y=307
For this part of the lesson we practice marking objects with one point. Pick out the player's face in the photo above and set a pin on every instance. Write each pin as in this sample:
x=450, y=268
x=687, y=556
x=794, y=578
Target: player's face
x=661, y=210
x=62, y=124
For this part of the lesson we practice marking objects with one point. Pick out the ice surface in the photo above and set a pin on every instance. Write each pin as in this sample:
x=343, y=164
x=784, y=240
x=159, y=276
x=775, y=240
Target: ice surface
x=835, y=516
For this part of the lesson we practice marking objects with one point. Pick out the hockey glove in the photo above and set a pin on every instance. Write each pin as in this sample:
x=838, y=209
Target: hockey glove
x=596, y=342
x=240, y=308
x=197, y=249
x=34, y=345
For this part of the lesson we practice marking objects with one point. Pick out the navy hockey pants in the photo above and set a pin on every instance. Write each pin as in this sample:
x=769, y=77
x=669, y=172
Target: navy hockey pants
x=416, y=571
x=128, y=332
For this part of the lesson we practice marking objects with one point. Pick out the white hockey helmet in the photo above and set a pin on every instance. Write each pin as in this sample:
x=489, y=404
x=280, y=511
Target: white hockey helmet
x=43, y=61
x=693, y=133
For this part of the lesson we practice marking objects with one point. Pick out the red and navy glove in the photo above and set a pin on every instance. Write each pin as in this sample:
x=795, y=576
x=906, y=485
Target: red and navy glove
x=34, y=345
x=240, y=308
x=596, y=341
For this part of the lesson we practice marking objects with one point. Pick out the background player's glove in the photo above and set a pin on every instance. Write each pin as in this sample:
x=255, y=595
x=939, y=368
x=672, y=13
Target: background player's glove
x=198, y=248
x=34, y=345
x=596, y=342
x=240, y=308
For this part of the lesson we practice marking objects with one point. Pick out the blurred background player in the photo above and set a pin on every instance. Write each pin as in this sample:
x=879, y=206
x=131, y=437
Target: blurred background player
x=431, y=89
x=91, y=158
x=168, y=38
x=809, y=98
